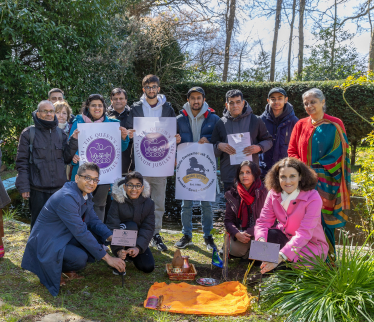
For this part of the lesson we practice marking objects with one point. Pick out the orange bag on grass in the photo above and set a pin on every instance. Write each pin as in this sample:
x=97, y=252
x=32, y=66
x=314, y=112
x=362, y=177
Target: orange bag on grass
x=228, y=298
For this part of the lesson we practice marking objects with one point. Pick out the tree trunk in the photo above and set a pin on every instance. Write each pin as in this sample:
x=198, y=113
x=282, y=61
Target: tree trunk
x=332, y=61
x=353, y=153
x=290, y=41
x=371, y=51
x=230, y=19
x=240, y=65
x=301, y=40
x=275, y=39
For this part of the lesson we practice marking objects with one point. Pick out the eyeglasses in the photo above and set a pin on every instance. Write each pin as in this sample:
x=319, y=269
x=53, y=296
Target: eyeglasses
x=131, y=186
x=47, y=112
x=148, y=88
x=89, y=179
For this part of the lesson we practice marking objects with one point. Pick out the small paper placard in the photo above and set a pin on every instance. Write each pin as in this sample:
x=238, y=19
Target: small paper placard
x=239, y=141
x=124, y=237
x=264, y=252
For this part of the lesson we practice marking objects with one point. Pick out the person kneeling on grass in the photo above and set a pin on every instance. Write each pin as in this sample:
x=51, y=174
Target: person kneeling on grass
x=133, y=209
x=244, y=202
x=296, y=206
x=68, y=234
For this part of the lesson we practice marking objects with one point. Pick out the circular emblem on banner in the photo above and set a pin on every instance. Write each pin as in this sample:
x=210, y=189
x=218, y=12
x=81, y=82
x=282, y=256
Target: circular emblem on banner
x=101, y=152
x=154, y=147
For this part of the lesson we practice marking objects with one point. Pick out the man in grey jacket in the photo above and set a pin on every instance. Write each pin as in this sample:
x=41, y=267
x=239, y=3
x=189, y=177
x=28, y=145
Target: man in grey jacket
x=238, y=117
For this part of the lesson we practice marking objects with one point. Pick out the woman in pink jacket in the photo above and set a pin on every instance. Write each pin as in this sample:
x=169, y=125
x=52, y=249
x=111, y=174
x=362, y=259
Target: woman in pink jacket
x=294, y=203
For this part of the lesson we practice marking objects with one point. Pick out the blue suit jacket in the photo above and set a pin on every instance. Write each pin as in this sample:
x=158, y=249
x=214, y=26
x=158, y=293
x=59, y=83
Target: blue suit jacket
x=65, y=215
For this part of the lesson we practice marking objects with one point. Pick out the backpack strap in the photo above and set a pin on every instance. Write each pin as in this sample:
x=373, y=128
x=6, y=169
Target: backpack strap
x=31, y=141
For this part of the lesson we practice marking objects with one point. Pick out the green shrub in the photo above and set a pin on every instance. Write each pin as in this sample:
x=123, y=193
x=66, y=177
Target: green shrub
x=340, y=292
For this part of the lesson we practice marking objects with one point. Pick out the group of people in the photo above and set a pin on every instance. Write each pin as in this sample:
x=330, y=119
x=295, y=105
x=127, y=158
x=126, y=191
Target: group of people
x=294, y=192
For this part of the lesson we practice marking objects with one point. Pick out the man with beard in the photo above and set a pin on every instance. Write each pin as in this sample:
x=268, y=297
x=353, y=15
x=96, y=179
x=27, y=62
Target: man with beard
x=238, y=117
x=195, y=124
x=279, y=118
x=42, y=153
x=153, y=104
x=120, y=111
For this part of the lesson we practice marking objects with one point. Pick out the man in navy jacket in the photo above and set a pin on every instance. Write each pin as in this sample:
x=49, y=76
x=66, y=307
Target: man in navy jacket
x=279, y=118
x=68, y=234
x=195, y=124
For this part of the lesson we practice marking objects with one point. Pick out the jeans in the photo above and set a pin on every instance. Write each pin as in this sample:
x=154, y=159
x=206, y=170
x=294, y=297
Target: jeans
x=206, y=217
x=158, y=190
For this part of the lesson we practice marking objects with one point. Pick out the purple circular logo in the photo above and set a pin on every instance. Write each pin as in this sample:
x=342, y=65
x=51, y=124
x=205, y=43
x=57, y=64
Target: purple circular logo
x=102, y=152
x=154, y=147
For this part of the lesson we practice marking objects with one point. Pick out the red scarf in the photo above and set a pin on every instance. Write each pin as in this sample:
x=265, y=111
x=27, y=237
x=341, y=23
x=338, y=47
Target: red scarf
x=247, y=198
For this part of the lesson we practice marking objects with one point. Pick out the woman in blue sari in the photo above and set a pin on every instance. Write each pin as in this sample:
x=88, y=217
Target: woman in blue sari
x=321, y=142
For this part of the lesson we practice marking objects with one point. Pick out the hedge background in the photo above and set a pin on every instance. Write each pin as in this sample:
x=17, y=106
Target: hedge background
x=360, y=98
x=13, y=121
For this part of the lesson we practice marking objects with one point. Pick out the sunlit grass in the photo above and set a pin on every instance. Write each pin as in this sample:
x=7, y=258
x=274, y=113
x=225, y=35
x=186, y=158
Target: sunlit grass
x=100, y=296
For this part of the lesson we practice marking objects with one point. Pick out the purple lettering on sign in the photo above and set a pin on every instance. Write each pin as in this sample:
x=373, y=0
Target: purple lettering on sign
x=154, y=147
x=102, y=152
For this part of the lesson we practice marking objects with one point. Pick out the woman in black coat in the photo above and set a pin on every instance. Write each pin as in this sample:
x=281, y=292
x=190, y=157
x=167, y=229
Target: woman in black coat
x=133, y=209
x=244, y=202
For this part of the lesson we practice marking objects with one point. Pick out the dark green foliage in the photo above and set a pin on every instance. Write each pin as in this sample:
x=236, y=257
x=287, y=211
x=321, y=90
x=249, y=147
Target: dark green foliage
x=360, y=97
x=80, y=46
x=341, y=292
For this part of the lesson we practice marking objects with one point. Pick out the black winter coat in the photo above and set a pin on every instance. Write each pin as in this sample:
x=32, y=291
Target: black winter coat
x=141, y=211
x=47, y=171
x=231, y=221
x=128, y=164
x=280, y=129
x=246, y=122
x=137, y=111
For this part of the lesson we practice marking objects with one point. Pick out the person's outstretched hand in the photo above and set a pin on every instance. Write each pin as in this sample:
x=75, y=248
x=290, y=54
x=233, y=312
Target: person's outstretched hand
x=133, y=252
x=75, y=134
x=227, y=148
x=243, y=237
x=116, y=263
x=124, y=133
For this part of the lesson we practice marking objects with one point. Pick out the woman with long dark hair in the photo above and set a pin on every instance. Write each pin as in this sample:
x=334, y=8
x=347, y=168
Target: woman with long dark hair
x=94, y=111
x=244, y=202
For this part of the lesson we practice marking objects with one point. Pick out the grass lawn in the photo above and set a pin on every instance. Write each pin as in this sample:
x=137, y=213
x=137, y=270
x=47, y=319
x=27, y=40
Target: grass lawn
x=100, y=296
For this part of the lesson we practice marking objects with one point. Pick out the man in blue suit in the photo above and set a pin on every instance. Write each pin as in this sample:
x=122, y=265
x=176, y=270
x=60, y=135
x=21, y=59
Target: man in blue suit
x=195, y=124
x=68, y=234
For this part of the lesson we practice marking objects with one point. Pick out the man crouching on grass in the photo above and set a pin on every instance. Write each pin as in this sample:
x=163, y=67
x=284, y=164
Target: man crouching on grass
x=68, y=234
